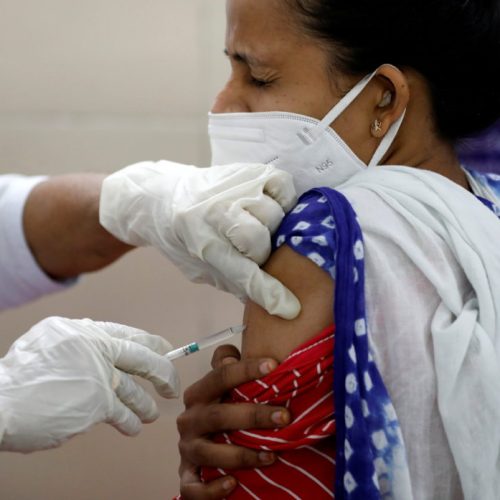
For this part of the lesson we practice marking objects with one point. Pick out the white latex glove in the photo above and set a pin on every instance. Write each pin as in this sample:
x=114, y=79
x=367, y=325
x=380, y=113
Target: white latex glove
x=64, y=376
x=215, y=223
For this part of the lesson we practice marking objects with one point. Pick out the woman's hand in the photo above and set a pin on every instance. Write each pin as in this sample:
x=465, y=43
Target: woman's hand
x=205, y=415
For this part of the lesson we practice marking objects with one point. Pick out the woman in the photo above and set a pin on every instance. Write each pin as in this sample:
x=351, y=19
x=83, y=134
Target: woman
x=383, y=83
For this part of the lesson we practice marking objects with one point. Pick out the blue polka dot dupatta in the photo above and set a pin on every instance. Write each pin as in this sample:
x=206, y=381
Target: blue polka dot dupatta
x=371, y=458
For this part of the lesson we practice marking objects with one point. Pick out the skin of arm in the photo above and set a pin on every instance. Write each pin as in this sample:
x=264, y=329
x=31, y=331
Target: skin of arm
x=270, y=336
x=61, y=225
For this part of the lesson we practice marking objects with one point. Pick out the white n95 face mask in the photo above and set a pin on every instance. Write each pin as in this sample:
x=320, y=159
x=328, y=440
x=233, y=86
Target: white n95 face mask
x=305, y=147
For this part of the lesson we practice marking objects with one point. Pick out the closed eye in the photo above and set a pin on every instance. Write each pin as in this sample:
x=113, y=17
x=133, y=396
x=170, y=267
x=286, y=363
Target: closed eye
x=260, y=83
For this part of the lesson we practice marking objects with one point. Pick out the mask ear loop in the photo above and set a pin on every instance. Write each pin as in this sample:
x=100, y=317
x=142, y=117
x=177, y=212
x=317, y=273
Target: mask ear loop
x=311, y=135
x=386, y=142
x=339, y=108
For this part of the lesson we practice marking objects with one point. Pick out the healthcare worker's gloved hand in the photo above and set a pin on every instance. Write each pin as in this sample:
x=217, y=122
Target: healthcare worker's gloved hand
x=64, y=376
x=214, y=223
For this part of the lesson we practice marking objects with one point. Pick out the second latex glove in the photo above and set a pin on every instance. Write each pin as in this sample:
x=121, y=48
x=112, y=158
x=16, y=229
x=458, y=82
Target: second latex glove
x=215, y=223
x=64, y=376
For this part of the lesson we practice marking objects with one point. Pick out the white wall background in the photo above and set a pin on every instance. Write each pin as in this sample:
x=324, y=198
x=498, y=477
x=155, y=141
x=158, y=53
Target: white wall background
x=93, y=86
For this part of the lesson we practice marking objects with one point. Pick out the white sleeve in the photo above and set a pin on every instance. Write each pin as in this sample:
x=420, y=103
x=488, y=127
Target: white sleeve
x=21, y=278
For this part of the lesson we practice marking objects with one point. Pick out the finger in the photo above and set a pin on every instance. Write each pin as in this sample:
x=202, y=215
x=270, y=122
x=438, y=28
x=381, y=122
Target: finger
x=132, y=395
x=247, y=234
x=123, y=419
x=154, y=342
x=139, y=360
x=225, y=354
x=259, y=286
x=217, y=382
x=271, y=294
x=192, y=488
x=217, y=489
x=203, y=452
x=265, y=209
x=216, y=417
x=280, y=187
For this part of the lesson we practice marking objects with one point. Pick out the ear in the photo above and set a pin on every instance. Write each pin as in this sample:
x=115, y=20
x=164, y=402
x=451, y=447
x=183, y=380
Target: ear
x=391, y=98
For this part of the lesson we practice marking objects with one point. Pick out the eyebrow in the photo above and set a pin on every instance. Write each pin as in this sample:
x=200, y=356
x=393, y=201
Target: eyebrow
x=246, y=58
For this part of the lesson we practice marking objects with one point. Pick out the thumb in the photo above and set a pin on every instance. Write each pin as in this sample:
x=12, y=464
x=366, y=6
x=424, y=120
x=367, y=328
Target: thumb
x=138, y=360
x=272, y=295
x=250, y=280
x=140, y=353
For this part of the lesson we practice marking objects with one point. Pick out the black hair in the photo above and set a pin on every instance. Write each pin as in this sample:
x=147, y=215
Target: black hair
x=453, y=44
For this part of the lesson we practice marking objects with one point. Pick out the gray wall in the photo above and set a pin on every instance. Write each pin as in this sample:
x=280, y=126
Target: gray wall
x=95, y=85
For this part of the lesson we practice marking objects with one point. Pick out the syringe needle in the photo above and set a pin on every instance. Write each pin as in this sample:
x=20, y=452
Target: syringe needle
x=205, y=342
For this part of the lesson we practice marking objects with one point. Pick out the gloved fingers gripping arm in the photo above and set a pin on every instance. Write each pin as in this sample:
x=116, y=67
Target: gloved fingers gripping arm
x=260, y=287
x=176, y=208
x=266, y=210
x=267, y=207
x=64, y=376
x=280, y=187
x=247, y=226
x=244, y=233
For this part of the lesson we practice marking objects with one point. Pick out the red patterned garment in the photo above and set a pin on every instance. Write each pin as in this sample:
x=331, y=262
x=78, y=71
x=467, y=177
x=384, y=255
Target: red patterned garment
x=305, y=467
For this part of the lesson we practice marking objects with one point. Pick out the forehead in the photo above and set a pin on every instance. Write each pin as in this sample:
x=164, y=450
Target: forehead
x=261, y=27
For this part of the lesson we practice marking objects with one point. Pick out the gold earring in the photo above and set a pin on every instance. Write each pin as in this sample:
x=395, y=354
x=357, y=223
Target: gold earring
x=376, y=127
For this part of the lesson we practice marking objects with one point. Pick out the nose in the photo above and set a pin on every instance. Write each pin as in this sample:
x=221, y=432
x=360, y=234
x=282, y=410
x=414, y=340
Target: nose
x=230, y=99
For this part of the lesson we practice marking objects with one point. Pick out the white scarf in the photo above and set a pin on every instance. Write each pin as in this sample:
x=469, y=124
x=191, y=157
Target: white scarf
x=465, y=329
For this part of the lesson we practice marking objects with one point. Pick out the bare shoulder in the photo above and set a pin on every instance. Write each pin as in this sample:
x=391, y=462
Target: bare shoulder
x=268, y=335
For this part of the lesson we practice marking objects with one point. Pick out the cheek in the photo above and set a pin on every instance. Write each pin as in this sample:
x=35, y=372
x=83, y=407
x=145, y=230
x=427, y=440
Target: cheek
x=354, y=128
x=310, y=96
x=292, y=98
x=268, y=100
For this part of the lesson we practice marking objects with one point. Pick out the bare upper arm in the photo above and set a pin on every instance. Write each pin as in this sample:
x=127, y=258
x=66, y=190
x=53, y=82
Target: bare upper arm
x=268, y=335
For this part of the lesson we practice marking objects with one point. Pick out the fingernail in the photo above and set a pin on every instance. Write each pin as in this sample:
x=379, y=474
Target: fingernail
x=280, y=417
x=266, y=457
x=266, y=367
x=229, y=361
x=229, y=483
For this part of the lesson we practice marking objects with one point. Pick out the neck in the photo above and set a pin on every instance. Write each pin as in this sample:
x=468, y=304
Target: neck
x=428, y=153
x=418, y=144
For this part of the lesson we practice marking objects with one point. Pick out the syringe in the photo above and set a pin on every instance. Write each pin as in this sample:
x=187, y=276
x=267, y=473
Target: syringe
x=205, y=342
